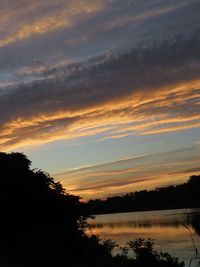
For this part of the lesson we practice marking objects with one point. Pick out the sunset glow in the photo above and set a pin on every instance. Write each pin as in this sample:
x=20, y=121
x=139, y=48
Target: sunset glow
x=103, y=95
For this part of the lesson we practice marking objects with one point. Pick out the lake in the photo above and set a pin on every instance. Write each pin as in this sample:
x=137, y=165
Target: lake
x=165, y=226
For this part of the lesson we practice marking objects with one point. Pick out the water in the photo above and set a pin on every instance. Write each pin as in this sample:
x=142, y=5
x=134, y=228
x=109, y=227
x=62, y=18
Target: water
x=166, y=227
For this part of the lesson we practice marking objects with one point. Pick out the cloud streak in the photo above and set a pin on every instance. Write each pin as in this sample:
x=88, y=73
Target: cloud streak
x=56, y=15
x=123, y=176
x=57, y=30
x=146, y=90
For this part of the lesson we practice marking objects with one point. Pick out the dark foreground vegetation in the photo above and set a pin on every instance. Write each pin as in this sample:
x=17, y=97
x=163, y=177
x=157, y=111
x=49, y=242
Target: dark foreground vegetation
x=43, y=226
x=186, y=195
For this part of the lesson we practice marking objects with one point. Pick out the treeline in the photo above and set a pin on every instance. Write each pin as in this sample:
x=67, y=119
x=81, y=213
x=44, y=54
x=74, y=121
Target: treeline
x=186, y=195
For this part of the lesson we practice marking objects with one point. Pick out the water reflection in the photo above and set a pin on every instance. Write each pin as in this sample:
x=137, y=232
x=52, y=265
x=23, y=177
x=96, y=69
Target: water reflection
x=137, y=224
x=166, y=227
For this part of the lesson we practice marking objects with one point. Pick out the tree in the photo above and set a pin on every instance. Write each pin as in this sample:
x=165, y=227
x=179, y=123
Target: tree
x=34, y=210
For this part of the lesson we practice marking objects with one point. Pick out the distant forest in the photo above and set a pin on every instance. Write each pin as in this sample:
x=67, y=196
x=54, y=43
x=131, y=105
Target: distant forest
x=186, y=195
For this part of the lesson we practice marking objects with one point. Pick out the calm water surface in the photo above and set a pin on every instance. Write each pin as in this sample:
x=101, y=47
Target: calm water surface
x=166, y=227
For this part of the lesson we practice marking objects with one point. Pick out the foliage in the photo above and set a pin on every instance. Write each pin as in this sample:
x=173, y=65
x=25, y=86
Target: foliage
x=147, y=256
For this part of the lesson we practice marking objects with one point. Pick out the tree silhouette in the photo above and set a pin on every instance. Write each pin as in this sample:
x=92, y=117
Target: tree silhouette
x=185, y=195
x=34, y=209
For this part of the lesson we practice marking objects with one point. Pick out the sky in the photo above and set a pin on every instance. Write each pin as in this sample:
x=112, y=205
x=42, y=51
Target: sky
x=103, y=95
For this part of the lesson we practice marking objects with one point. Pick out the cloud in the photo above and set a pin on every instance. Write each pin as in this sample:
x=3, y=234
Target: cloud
x=39, y=29
x=126, y=175
x=42, y=17
x=74, y=30
x=146, y=90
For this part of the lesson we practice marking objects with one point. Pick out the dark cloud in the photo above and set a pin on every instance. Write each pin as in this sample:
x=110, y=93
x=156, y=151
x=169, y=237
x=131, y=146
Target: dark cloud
x=81, y=89
x=117, y=24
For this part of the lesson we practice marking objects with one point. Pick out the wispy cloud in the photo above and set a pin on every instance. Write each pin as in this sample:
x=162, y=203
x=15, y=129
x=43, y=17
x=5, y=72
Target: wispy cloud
x=123, y=176
x=148, y=90
x=29, y=19
x=55, y=30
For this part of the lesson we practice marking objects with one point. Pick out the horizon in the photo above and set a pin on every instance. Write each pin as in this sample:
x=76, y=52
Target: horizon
x=103, y=95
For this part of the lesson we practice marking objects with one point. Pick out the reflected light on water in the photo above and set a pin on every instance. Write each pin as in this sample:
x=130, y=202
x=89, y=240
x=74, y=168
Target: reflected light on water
x=166, y=227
